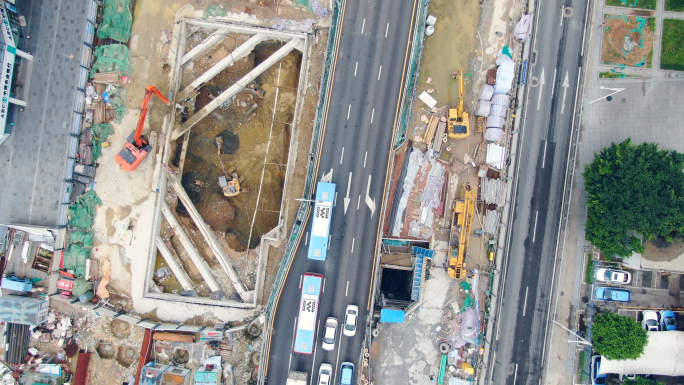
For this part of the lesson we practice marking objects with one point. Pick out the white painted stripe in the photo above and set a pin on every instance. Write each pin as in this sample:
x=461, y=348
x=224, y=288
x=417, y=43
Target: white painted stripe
x=380, y=73
x=329, y=236
x=544, y=157
x=386, y=30
x=335, y=205
x=324, y=284
x=342, y=156
x=363, y=26
x=525, y=305
x=306, y=238
x=356, y=68
x=372, y=115
x=348, y=112
x=346, y=292
x=300, y=281
x=364, y=159
x=358, y=203
x=534, y=233
x=353, y=240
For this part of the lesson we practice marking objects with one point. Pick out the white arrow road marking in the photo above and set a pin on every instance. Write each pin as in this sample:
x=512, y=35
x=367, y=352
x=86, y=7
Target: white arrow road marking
x=370, y=202
x=541, y=87
x=327, y=177
x=346, y=199
x=565, y=91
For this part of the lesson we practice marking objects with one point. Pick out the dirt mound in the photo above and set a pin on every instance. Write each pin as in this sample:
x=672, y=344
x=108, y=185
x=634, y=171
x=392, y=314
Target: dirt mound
x=627, y=40
x=120, y=328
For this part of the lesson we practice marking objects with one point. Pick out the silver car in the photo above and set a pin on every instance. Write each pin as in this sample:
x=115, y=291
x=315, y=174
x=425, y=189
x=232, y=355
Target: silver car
x=330, y=333
x=325, y=374
x=614, y=276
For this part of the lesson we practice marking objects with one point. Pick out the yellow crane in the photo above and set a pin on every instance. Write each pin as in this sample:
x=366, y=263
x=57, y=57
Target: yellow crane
x=459, y=120
x=460, y=232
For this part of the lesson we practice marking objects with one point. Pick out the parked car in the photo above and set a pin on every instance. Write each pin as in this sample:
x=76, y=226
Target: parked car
x=610, y=294
x=650, y=321
x=614, y=276
x=324, y=374
x=330, y=333
x=668, y=320
x=596, y=378
x=350, y=319
x=346, y=373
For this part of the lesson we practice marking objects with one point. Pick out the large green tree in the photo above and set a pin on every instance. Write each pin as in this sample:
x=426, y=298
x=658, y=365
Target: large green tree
x=617, y=337
x=641, y=381
x=633, y=190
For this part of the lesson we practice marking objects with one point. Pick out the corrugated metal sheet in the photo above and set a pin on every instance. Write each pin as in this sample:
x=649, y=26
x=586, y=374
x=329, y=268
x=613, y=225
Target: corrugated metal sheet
x=483, y=108
x=392, y=316
x=498, y=110
x=501, y=100
x=486, y=92
x=495, y=121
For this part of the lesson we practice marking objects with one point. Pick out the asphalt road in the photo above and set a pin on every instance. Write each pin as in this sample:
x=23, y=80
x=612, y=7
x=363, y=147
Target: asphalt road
x=363, y=105
x=522, y=321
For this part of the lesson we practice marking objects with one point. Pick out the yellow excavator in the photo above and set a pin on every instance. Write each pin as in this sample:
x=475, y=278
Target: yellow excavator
x=229, y=181
x=460, y=233
x=459, y=121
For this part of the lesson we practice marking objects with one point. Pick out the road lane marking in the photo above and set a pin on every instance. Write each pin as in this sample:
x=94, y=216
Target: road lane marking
x=364, y=159
x=294, y=331
x=342, y=156
x=379, y=73
x=324, y=284
x=386, y=30
x=300, y=281
x=306, y=239
x=553, y=84
x=363, y=26
x=335, y=205
x=544, y=157
x=515, y=376
x=372, y=115
x=358, y=204
x=353, y=240
x=370, y=202
x=565, y=91
x=315, y=347
x=541, y=87
x=356, y=68
x=346, y=199
x=525, y=305
x=327, y=177
x=534, y=233
x=562, y=13
x=346, y=292
x=348, y=112
x=329, y=236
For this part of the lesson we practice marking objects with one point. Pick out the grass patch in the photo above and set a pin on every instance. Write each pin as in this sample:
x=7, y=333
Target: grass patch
x=613, y=75
x=643, y=4
x=588, y=270
x=672, y=55
x=674, y=5
x=580, y=366
x=651, y=24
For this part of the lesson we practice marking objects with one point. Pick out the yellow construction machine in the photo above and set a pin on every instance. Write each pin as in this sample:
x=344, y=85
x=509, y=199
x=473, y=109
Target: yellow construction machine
x=229, y=181
x=460, y=233
x=459, y=121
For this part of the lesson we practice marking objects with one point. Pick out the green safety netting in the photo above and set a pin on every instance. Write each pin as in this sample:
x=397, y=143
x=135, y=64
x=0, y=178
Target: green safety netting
x=214, y=11
x=82, y=212
x=118, y=102
x=100, y=134
x=81, y=286
x=75, y=256
x=83, y=237
x=116, y=20
x=304, y=4
x=113, y=57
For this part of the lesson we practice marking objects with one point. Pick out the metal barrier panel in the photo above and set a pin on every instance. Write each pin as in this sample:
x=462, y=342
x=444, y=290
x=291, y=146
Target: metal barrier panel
x=309, y=184
x=412, y=72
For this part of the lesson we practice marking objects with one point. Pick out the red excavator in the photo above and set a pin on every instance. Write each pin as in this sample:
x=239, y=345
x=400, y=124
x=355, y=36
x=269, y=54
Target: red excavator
x=137, y=147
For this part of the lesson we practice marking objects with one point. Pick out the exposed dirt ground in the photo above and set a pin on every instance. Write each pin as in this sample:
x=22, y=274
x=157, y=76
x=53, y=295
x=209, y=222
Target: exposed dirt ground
x=658, y=249
x=627, y=40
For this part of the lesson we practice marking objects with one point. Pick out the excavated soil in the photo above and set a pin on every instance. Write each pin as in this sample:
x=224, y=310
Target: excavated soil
x=621, y=32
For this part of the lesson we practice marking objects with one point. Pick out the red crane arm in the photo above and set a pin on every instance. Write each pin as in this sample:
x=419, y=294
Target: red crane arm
x=143, y=113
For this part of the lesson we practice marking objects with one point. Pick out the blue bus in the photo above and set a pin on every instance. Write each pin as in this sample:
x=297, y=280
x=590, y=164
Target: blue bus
x=320, y=230
x=308, y=313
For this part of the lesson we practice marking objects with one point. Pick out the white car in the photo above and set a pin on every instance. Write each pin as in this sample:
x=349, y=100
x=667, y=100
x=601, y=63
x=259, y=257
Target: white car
x=325, y=374
x=350, y=318
x=614, y=276
x=330, y=333
x=650, y=321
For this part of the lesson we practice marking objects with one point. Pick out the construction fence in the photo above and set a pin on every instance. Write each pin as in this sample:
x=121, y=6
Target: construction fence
x=310, y=181
x=412, y=71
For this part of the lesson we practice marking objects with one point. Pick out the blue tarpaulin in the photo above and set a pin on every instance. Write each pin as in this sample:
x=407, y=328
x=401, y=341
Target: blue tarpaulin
x=392, y=316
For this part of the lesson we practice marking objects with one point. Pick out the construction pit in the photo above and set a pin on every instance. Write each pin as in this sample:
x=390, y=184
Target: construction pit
x=235, y=91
